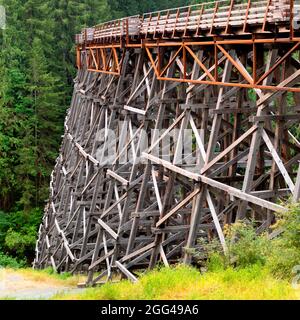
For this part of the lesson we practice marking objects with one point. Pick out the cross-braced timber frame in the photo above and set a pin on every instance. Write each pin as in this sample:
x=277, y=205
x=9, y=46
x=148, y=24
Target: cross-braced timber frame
x=228, y=73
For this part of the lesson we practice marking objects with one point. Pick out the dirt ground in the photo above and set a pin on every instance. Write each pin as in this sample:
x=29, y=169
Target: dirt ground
x=14, y=285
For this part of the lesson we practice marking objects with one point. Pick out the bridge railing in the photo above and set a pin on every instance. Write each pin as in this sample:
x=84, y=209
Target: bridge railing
x=111, y=30
x=204, y=18
x=224, y=15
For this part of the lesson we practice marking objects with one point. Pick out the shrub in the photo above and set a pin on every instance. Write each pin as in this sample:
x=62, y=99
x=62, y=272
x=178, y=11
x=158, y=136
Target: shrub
x=21, y=242
x=285, y=252
x=244, y=248
x=7, y=261
x=18, y=231
x=208, y=254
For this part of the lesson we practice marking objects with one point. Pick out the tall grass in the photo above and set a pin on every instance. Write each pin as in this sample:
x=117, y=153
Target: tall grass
x=182, y=282
x=254, y=267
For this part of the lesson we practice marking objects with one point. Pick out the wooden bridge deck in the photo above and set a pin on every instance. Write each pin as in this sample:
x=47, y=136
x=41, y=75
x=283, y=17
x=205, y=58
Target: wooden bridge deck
x=225, y=17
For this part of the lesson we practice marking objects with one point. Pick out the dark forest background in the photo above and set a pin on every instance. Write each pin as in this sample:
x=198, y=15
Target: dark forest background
x=37, y=67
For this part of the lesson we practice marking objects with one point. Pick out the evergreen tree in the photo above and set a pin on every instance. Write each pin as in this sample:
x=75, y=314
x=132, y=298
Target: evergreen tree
x=69, y=17
x=30, y=108
x=121, y=8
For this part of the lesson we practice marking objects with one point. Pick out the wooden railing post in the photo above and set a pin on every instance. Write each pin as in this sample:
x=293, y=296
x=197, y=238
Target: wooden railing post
x=266, y=15
x=157, y=25
x=177, y=16
x=291, y=19
x=187, y=21
x=229, y=15
x=78, y=57
x=214, y=16
x=246, y=15
x=166, y=23
x=127, y=31
x=199, y=19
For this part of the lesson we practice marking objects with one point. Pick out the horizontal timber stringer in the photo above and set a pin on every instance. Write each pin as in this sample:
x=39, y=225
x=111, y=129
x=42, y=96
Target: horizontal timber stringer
x=181, y=121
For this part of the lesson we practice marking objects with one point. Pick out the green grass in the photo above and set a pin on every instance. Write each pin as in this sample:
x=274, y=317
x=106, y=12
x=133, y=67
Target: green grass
x=184, y=282
x=179, y=282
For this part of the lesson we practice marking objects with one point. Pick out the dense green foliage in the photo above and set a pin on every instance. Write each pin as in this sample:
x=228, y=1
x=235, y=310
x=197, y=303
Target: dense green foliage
x=18, y=236
x=132, y=7
x=245, y=248
x=37, y=68
x=8, y=261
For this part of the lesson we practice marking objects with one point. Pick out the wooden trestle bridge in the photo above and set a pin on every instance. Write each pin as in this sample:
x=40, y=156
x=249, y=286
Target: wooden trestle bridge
x=224, y=76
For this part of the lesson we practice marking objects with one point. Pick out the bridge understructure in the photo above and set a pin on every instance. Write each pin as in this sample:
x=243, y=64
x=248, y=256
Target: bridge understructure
x=181, y=121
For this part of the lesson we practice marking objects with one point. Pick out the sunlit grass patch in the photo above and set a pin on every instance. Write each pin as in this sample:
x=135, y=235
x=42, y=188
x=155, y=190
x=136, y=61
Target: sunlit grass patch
x=184, y=282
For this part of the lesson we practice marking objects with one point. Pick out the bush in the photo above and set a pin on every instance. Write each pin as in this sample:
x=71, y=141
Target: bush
x=246, y=248
x=285, y=253
x=18, y=232
x=21, y=242
x=7, y=261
